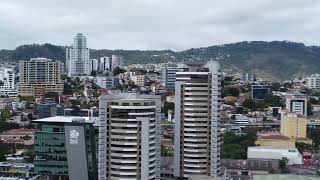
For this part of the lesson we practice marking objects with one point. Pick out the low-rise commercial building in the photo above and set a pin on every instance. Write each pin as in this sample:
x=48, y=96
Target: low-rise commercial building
x=260, y=91
x=264, y=152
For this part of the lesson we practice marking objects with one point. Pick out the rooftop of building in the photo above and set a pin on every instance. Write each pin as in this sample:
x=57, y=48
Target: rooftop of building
x=250, y=164
x=203, y=177
x=292, y=114
x=64, y=119
x=16, y=165
x=270, y=148
x=283, y=177
x=271, y=135
x=21, y=131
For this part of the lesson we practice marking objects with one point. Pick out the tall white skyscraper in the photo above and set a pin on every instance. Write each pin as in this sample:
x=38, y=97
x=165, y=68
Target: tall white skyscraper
x=116, y=61
x=197, y=119
x=105, y=64
x=129, y=137
x=7, y=78
x=78, y=57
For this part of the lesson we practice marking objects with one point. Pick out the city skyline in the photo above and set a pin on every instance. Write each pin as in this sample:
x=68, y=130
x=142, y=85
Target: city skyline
x=145, y=27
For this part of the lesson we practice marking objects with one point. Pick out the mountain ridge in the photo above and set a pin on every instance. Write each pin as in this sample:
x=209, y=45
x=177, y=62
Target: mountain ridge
x=275, y=60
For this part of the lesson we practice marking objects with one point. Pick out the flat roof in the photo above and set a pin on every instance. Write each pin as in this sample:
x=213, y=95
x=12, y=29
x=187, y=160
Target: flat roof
x=283, y=177
x=269, y=147
x=63, y=119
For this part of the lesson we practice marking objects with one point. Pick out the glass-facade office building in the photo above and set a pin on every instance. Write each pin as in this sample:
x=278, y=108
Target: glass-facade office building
x=65, y=148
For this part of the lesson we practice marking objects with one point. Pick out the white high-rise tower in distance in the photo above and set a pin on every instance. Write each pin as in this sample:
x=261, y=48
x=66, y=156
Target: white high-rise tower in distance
x=129, y=137
x=78, y=57
x=197, y=119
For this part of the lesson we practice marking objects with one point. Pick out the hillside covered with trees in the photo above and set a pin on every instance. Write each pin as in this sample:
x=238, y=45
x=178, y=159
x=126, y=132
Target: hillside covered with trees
x=277, y=60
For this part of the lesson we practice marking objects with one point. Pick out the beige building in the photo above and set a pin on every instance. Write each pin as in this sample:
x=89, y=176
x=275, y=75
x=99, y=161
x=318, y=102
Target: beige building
x=294, y=125
x=39, y=76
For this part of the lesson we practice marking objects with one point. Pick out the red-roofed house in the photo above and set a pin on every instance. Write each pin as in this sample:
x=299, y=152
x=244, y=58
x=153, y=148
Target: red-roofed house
x=18, y=136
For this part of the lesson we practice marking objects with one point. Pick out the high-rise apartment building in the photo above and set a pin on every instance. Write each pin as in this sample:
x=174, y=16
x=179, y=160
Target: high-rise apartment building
x=197, y=119
x=313, y=82
x=129, y=137
x=94, y=65
x=78, y=57
x=297, y=104
x=110, y=64
x=7, y=76
x=39, y=76
x=168, y=74
x=104, y=64
x=116, y=61
x=294, y=125
x=65, y=148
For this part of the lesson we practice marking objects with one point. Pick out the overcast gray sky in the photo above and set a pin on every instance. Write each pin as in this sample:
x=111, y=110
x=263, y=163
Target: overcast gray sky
x=157, y=24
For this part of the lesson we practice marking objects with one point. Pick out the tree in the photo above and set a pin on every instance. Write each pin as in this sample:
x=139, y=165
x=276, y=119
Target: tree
x=272, y=100
x=276, y=86
x=118, y=70
x=30, y=116
x=309, y=109
x=248, y=103
x=5, y=115
x=4, y=149
x=283, y=164
x=4, y=126
x=302, y=147
x=235, y=146
x=94, y=73
x=240, y=110
x=167, y=106
x=314, y=134
x=230, y=91
x=52, y=95
x=31, y=155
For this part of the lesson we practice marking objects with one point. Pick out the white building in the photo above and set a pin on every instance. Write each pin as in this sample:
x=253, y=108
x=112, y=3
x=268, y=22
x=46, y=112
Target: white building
x=117, y=61
x=197, y=120
x=313, y=81
x=7, y=76
x=104, y=64
x=297, y=104
x=105, y=81
x=130, y=137
x=263, y=152
x=78, y=57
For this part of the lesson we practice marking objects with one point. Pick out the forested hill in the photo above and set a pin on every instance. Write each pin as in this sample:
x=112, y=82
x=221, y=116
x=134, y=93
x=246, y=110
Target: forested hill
x=277, y=60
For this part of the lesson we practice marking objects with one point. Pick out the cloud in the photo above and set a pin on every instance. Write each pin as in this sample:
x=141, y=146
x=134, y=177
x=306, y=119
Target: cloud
x=157, y=24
